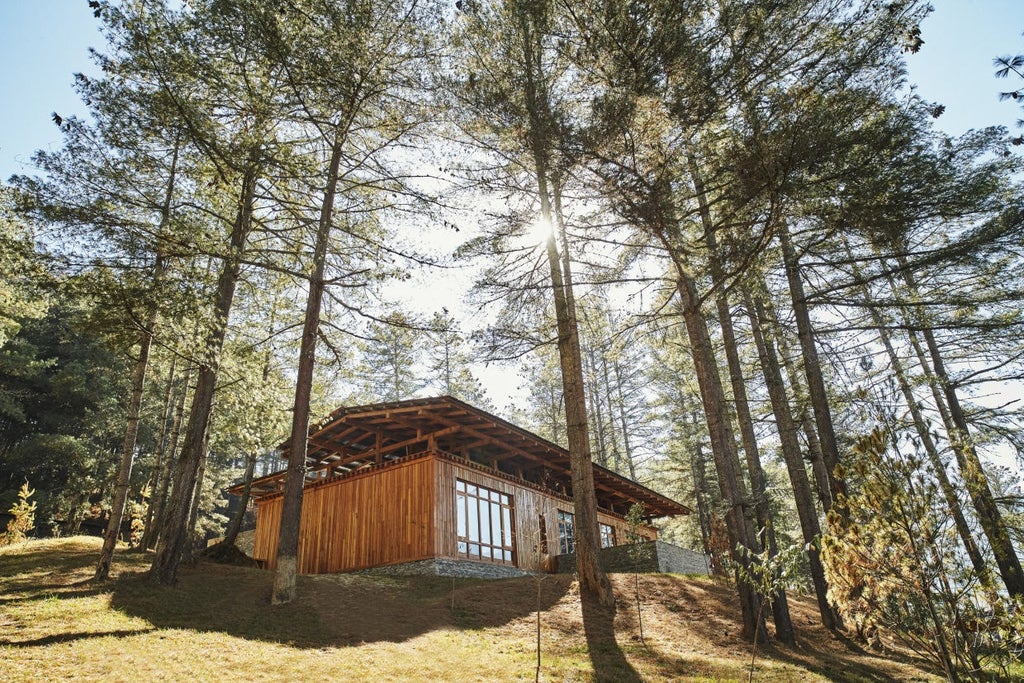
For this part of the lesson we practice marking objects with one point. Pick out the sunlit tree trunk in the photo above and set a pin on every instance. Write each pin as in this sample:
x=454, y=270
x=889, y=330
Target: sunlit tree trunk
x=176, y=532
x=291, y=509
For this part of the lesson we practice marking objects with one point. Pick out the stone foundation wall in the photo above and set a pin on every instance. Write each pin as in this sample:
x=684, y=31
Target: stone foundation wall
x=647, y=557
x=440, y=566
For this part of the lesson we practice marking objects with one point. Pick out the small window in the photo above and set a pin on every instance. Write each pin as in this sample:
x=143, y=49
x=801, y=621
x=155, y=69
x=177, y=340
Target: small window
x=566, y=534
x=607, y=535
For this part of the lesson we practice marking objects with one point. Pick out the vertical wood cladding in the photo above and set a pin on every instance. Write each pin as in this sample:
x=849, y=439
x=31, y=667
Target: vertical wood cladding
x=381, y=517
x=528, y=503
x=404, y=512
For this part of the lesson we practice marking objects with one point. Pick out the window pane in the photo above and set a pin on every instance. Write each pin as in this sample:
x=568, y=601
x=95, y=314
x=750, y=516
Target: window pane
x=485, y=522
x=462, y=547
x=506, y=516
x=474, y=549
x=496, y=524
x=471, y=489
x=474, y=525
x=460, y=485
x=460, y=509
x=485, y=551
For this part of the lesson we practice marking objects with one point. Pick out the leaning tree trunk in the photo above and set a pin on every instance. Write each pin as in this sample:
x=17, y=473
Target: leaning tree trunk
x=189, y=555
x=730, y=480
x=971, y=469
x=812, y=364
x=790, y=443
x=800, y=405
x=176, y=532
x=124, y=472
x=758, y=481
x=924, y=434
x=291, y=508
x=131, y=431
x=235, y=525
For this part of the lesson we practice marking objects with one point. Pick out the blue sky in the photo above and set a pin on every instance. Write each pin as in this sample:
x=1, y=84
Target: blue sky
x=43, y=42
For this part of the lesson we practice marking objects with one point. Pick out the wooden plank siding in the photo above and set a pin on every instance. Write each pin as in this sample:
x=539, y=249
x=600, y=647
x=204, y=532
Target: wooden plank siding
x=405, y=511
x=528, y=502
x=383, y=516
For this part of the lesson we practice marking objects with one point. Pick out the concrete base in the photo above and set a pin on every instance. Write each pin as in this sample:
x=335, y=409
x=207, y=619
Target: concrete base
x=646, y=557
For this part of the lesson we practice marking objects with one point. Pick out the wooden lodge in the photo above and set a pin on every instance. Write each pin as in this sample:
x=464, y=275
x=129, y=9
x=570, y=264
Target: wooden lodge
x=437, y=479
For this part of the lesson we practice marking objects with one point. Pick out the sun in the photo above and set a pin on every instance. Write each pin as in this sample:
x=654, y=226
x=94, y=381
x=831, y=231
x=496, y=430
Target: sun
x=539, y=231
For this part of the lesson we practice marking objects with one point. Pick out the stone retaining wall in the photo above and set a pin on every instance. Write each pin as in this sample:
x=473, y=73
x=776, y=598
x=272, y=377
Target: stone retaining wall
x=439, y=566
x=647, y=557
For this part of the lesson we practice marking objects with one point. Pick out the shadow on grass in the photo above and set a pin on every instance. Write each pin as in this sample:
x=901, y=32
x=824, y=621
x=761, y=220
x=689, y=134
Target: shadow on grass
x=71, y=637
x=610, y=663
x=711, y=610
x=331, y=610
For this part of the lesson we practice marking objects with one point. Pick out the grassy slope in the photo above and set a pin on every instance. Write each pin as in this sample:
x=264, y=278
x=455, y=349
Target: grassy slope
x=217, y=624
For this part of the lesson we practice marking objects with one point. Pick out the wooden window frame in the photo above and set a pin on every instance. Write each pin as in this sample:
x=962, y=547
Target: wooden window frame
x=500, y=512
x=607, y=534
x=566, y=532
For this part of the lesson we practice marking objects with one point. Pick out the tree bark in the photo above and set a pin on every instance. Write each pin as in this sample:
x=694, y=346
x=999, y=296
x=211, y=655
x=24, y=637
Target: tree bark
x=161, y=452
x=594, y=582
x=285, y=577
x=235, y=525
x=790, y=443
x=758, y=482
x=131, y=431
x=812, y=366
x=169, y=465
x=176, y=533
x=730, y=481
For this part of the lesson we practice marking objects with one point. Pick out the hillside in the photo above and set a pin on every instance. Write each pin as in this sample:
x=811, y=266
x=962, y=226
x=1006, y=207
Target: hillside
x=217, y=624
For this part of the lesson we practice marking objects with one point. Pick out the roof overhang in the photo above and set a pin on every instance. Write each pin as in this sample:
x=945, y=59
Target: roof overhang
x=353, y=438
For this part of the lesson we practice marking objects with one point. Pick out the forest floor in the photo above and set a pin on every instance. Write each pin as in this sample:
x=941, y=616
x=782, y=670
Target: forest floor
x=217, y=624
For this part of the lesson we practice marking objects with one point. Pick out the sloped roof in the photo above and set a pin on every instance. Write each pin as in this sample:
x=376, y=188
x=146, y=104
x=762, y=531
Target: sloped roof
x=353, y=438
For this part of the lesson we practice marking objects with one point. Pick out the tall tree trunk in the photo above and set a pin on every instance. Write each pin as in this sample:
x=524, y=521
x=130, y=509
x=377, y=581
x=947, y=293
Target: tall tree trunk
x=790, y=443
x=630, y=464
x=193, y=514
x=971, y=469
x=594, y=582
x=163, y=490
x=608, y=401
x=923, y=433
x=730, y=481
x=176, y=533
x=801, y=410
x=758, y=481
x=131, y=430
x=285, y=579
x=161, y=450
x=124, y=471
x=594, y=396
x=698, y=470
x=812, y=364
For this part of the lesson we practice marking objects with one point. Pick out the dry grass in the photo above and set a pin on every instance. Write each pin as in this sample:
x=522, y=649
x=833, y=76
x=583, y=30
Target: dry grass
x=217, y=624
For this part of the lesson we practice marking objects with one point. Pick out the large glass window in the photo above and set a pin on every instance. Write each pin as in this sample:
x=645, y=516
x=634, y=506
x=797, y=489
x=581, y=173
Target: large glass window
x=607, y=535
x=484, y=523
x=566, y=539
